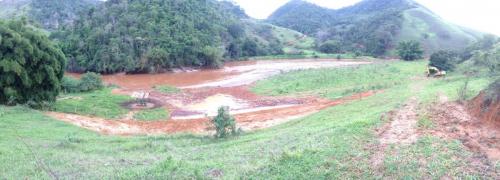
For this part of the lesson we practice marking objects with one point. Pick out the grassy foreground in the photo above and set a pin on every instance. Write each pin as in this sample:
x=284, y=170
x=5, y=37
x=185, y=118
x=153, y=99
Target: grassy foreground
x=334, y=143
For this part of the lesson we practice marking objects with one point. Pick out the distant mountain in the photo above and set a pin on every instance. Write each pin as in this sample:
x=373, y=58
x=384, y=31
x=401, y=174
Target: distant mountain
x=373, y=27
x=49, y=14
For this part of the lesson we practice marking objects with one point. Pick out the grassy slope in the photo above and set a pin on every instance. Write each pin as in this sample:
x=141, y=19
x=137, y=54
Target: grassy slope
x=434, y=32
x=295, y=44
x=329, y=144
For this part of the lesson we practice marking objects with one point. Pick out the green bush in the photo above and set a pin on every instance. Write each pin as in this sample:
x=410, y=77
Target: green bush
x=410, y=50
x=31, y=66
x=88, y=82
x=224, y=123
x=91, y=81
x=444, y=60
x=330, y=47
x=70, y=85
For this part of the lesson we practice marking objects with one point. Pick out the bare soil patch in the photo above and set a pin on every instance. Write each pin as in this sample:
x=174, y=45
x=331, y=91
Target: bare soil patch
x=402, y=128
x=454, y=121
x=246, y=121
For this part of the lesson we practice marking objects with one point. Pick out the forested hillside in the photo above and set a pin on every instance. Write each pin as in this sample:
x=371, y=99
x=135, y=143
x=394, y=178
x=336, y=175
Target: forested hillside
x=151, y=36
x=49, y=14
x=372, y=27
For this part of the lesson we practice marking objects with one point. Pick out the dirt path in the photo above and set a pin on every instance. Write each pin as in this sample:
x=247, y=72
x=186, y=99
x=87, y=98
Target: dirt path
x=402, y=128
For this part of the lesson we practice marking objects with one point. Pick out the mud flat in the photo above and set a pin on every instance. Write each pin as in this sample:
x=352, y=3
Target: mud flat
x=204, y=91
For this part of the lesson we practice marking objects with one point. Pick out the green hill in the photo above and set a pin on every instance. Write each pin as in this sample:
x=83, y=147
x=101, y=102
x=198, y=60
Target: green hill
x=373, y=27
x=48, y=14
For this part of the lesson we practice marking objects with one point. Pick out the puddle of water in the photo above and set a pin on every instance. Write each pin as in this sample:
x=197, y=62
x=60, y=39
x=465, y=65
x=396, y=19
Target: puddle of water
x=211, y=104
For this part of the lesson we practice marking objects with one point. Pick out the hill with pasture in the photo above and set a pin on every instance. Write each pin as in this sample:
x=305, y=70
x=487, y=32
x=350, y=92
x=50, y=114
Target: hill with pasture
x=373, y=27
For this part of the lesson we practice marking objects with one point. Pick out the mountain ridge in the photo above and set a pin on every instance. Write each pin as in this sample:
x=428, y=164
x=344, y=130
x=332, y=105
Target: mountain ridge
x=373, y=27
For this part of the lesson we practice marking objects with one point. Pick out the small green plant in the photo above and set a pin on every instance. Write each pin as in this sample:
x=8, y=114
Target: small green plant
x=224, y=123
x=425, y=123
x=463, y=90
x=151, y=115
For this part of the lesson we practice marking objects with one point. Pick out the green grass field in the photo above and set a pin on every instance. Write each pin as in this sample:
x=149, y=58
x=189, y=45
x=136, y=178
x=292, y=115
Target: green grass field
x=332, y=144
x=101, y=103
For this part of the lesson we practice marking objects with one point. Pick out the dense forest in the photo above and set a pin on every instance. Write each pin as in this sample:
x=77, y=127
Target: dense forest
x=151, y=36
x=371, y=27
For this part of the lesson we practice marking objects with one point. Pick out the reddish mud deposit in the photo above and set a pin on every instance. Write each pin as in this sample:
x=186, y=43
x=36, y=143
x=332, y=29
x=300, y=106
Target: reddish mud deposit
x=246, y=120
x=476, y=130
x=204, y=91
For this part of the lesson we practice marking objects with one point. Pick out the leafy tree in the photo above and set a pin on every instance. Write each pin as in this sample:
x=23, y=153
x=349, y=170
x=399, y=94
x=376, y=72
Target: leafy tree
x=444, y=60
x=224, y=123
x=330, y=47
x=211, y=57
x=489, y=59
x=156, y=59
x=410, y=50
x=31, y=66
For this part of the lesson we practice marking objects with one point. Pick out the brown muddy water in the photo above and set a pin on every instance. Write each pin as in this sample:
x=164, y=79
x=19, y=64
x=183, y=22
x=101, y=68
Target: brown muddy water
x=233, y=74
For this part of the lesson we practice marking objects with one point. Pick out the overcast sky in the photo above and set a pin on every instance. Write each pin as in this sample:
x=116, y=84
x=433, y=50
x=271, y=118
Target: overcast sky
x=482, y=15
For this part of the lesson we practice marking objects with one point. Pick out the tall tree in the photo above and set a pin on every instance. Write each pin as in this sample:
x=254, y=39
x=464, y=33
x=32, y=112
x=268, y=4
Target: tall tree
x=410, y=50
x=31, y=66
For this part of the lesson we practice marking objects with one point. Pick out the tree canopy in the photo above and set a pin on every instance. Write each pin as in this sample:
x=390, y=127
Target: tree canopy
x=31, y=66
x=410, y=50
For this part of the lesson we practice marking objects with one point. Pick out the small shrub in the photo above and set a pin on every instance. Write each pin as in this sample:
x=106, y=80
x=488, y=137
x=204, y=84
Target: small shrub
x=91, y=81
x=70, y=85
x=425, y=123
x=224, y=123
x=463, y=90
x=88, y=82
